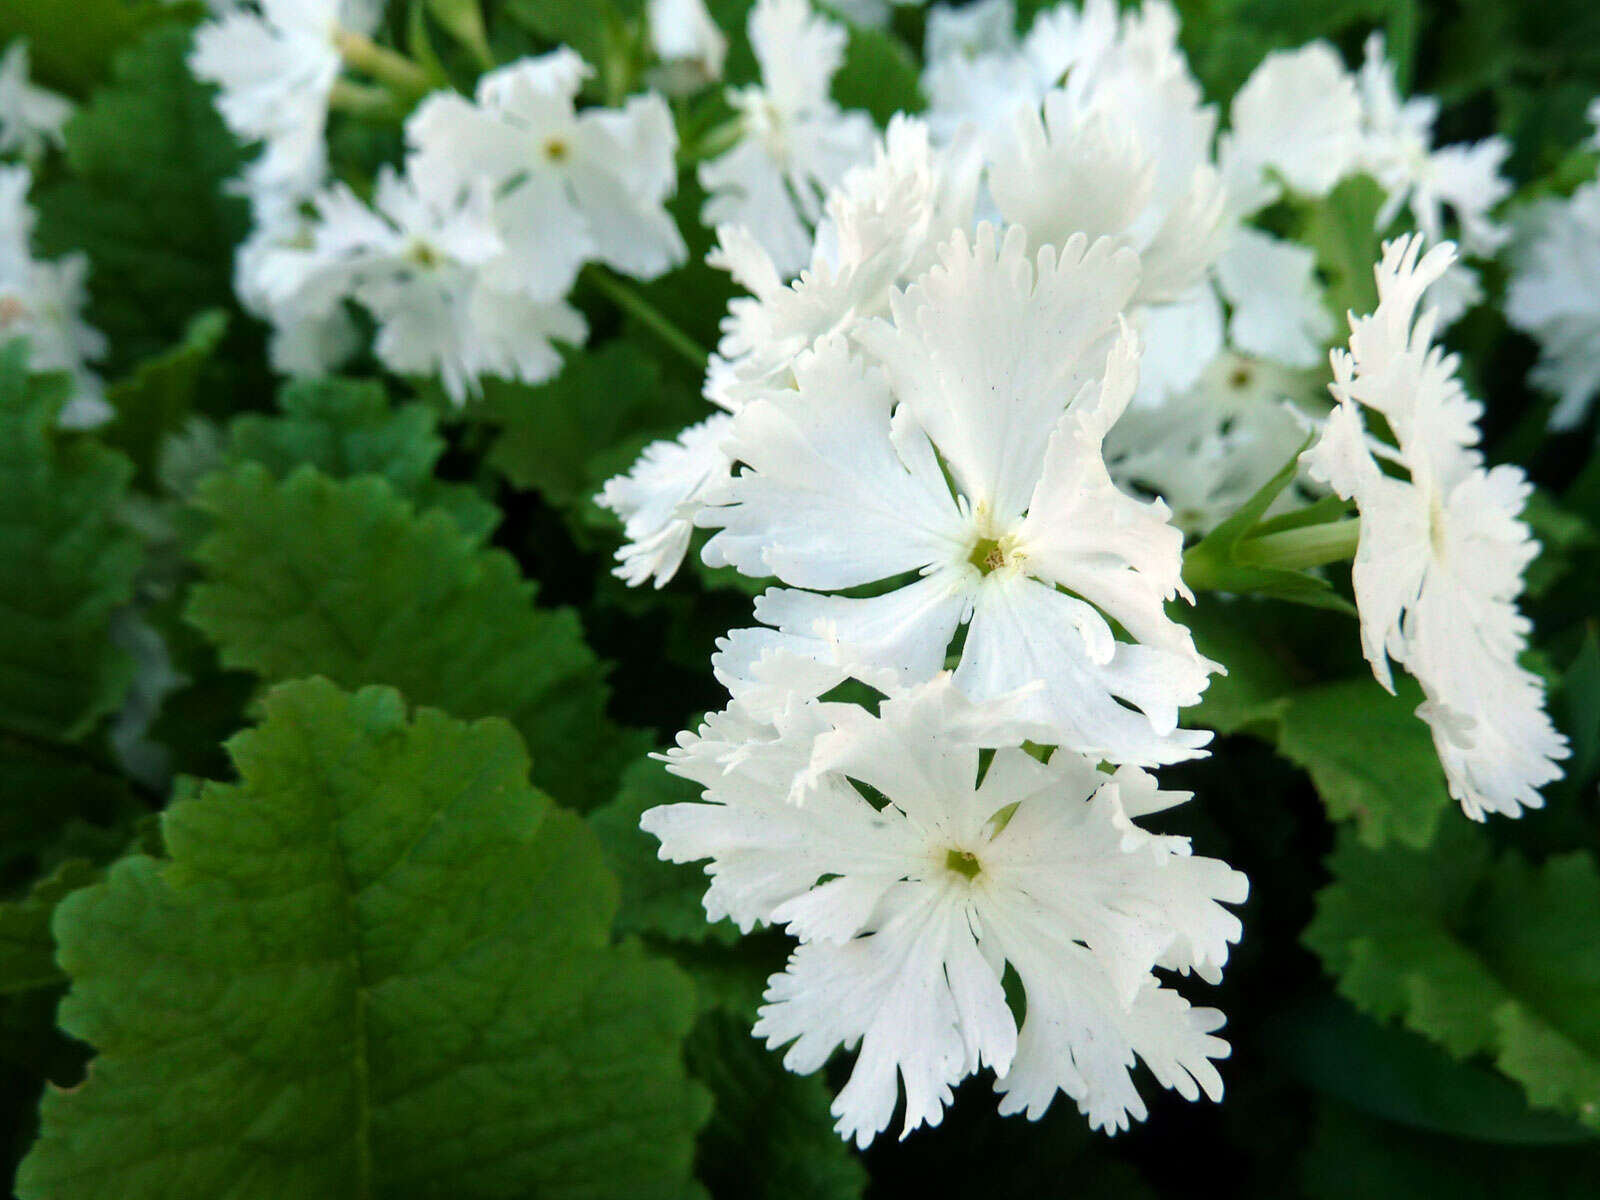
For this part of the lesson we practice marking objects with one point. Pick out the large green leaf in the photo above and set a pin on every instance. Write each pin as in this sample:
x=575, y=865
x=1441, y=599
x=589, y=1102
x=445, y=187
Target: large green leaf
x=348, y=427
x=1486, y=957
x=312, y=576
x=1369, y=756
x=377, y=966
x=145, y=198
x=65, y=563
x=879, y=74
x=71, y=44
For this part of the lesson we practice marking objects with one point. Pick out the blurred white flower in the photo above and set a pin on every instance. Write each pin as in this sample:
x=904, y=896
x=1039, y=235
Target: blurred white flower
x=418, y=261
x=794, y=142
x=910, y=906
x=688, y=46
x=1398, y=152
x=1554, y=296
x=570, y=187
x=1442, y=550
x=42, y=302
x=31, y=118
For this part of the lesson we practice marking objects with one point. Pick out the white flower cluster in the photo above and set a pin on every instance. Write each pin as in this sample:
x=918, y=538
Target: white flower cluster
x=465, y=257
x=42, y=302
x=1019, y=336
x=1555, y=293
x=1443, y=548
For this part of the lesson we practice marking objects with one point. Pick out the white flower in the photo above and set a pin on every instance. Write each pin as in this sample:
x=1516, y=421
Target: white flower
x=276, y=70
x=31, y=118
x=1073, y=171
x=1271, y=286
x=881, y=227
x=1554, y=295
x=910, y=906
x=986, y=27
x=418, y=263
x=794, y=142
x=659, y=496
x=951, y=451
x=1205, y=452
x=43, y=302
x=1298, y=119
x=1442, y=551
x=1398, y=137
x=688, y=46
x=570, y=186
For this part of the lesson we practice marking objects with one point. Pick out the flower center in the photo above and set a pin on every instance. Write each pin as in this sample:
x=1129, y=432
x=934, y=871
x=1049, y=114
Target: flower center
x=987, y=555
x=556, y=150
x=421, y=254
x=963, y=863
x=12, y=310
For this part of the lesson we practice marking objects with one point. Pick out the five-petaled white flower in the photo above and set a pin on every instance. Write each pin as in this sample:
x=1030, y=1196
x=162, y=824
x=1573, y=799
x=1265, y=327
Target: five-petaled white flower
x=913, y=879
x=569, y=186
x=1442, y=549
x=794, y=142
x=956, y=467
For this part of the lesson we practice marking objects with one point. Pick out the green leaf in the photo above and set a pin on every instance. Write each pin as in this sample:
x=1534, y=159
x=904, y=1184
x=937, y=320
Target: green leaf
x=146, y=200
x=347, y=427
x=1394, y=1074
x=1485, y=957
x=1578, y=701
x=379, y=965
x=71, y=45
x=27, y=951
x=1562, y=535
x=770, y=1136
x=154, y=401
x=659, y=898
x=65, y=563
x=310, y=576
x=559, y=439
x=1369, y=756
x=879, y=75
x=1222, y=560
x=1355, y=1155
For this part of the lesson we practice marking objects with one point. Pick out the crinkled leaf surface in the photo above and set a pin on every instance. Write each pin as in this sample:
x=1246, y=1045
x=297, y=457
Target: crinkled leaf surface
x=377, y=966
x=1369, y=756
x=145, y=198
x=1484, y=956
x=65, y=562
x=310, y=575
x=161, y=392
x=348, y=427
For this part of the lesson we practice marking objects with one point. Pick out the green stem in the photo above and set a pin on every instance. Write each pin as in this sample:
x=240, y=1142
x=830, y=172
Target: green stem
x=1297, y=549
x=394, y=71
x=631, y=302
x=364, y=101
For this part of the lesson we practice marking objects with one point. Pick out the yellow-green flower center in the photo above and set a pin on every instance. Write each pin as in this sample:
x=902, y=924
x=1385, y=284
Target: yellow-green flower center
x=962, y=863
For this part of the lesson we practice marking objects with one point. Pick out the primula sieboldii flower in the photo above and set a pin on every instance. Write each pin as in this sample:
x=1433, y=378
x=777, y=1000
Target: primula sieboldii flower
x=569, y=186
x=880, y=230
x=275, y=71
x=417, y=261
x=1296, y=121
x=1398, y=152
x=794, y=142
x=948, y=449
x=42, y=302
x=688, y=46
x=1209, y=450
x=910, y=906
x=1443, y=549
x=31, y=118
x=1554, y=296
